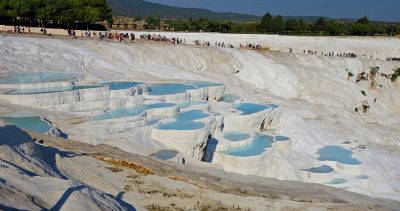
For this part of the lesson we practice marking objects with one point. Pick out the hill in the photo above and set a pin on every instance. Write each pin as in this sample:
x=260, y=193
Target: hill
x=141, y=8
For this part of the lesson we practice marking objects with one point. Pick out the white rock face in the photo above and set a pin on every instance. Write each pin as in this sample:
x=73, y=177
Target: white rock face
x=29, y=179
x=317, y=98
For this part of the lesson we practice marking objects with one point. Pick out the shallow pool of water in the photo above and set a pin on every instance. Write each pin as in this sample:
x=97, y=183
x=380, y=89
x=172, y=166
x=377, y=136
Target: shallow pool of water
x=50, y=90
x=337, y=181
x=337, y=153
x=31, y=123
x=257, y=147
x=181, y=125
x=229, y=98
x=191, y=115
x=165, y=154
x=132, y=111
x=281, y=138
x=191, y=103
x=42, y=77
x=119, y=85
x=202, y=84
x=250, y=108
x=361, y=177
x=321, y=169
x=169, y=88
x=236, y=136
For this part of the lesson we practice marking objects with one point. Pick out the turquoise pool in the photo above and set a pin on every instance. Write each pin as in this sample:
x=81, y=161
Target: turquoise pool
x=321, y=169
x=191, y=115
x=337, y=181
x=31, y=123
x=131, y=111
x=42, y=77
x=250, y=108
x=202, y=84
x=257, y=147
x=119, y=85
x=165, y=154
x=181, y=125
x=337, y=153
x=169, y=88
x=281, y=138
x=361, y=177
x=191, y=103
x=229, y=98
x=50, y=90
x=236, y=136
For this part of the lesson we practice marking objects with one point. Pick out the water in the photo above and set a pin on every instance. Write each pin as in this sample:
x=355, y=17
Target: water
x=43, y=77
x=131, y=111
x=337, y=153
x=169, y=88
x=337, y=181
x=154, y=120
x=273, y=106
x=49, y=90
x=229, y=98
x=202, y=84
x=321, y=169
x=191, y=103
x=182, y=125
x=191, y=115
x=281, y=138
x=257, y=147
x=165, y=154
x=250, y=108
x=31, y=123
x=236, y=136
x=119, y=85
x=362, y=177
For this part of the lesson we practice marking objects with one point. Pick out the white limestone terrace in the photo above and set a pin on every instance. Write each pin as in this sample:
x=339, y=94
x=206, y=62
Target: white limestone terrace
x=315, y=97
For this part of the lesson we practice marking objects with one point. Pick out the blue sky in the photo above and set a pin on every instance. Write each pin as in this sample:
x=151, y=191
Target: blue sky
x=385, y=10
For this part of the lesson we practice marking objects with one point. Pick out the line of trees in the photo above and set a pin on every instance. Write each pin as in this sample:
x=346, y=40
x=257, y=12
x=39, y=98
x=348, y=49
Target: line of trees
x=278, y=25
x=61, y=13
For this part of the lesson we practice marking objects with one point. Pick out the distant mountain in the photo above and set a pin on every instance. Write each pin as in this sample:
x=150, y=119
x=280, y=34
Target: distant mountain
x=141, y=8
x=130, y=8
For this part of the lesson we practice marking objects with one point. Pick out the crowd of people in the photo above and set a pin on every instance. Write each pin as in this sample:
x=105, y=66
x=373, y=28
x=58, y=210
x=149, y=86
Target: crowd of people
x=344, y=55
x=251, y=46
x=161, y=38
x=19, y=29
x=223, y=45
x=394, y=59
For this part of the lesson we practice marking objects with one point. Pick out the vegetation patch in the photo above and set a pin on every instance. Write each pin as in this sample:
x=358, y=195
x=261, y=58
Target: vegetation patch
x=138, y=168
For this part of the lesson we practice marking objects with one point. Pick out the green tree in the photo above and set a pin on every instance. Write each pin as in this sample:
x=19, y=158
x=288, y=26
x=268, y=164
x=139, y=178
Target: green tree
x=278, y=24
x=266, y=23
x=334, y=28
x=152, y=22
x=293, y=25
x=363, y=20
x=319, y=25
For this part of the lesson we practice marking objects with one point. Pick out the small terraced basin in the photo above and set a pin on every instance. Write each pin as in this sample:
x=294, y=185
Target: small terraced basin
x=160, y=89
x=42, y=77
x=34, y=123
x=165, y=154
x=250, y=108
x=258, y=145
x=181, y=125
x=120, y=85
x=50, y=90
x=131, y=111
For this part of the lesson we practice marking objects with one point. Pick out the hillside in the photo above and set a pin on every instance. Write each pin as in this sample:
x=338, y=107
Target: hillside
x=144, y=9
